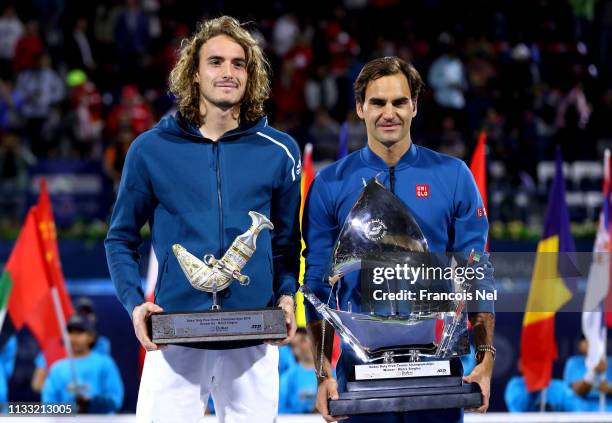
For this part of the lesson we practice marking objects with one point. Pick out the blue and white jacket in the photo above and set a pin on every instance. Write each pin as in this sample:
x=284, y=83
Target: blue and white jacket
x=198, y=193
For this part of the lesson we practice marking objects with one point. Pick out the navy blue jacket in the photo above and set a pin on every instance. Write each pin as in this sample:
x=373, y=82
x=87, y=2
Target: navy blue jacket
x=198, y=193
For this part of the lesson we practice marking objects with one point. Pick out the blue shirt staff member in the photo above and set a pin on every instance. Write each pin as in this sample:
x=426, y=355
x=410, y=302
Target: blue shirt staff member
x=98, y=388
x=194, y=178
x=439, y=191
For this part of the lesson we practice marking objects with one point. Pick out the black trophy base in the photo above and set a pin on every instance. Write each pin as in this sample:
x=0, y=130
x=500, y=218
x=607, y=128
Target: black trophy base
x=232, y=327
x=401, y=395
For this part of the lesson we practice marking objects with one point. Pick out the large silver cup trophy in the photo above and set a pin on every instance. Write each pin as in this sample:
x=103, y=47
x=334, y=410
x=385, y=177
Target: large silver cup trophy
x=214, y=275
x=405, y=340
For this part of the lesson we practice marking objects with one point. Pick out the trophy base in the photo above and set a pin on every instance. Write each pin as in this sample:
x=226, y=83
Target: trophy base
x=401, y=395
x=218, y=327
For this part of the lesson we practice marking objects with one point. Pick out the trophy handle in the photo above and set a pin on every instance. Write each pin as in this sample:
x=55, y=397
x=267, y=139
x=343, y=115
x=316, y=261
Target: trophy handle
x=332, y=318
x=259, y=222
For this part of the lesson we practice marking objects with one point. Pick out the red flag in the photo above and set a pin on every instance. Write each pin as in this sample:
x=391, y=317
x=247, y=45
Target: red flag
x=478, y=167
x=308, y=175
x=48, y=328
x=48, y=234
x=25, y=269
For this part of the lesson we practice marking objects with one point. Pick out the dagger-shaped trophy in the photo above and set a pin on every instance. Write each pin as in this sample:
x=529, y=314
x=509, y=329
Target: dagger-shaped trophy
x=214, y=275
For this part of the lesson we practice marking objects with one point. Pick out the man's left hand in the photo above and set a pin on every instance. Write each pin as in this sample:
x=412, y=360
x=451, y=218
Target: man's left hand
x=482, y=376
x=287, y=303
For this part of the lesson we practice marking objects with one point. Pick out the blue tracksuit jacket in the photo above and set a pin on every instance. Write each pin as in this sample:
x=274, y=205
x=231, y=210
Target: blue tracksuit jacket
x=441, y=194
x=198, y=193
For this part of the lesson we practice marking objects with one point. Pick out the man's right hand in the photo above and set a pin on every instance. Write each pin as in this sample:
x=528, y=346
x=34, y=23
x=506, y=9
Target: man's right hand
x=140, y=315
x=328, y=389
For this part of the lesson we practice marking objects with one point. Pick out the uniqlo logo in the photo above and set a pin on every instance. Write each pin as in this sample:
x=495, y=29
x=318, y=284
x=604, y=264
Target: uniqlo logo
x=422, y=190
x=481, y=212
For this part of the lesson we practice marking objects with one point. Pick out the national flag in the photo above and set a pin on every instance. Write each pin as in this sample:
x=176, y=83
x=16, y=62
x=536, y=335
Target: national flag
x=308, y=174
x=478, y=167
x=549, y=290
x=593, y=325
x=55, y=308
x=34, y=283
x=24, y=282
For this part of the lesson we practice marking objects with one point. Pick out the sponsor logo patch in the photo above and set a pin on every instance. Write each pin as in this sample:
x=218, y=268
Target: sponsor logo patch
x=422, y=190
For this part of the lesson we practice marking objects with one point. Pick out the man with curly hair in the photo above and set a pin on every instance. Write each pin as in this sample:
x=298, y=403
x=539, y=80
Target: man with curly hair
x=194, y=177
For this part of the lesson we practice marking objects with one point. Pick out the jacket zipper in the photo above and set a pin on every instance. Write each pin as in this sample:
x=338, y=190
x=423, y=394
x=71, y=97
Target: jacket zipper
x=395, y=306
x=392, y=179
x=218, y=165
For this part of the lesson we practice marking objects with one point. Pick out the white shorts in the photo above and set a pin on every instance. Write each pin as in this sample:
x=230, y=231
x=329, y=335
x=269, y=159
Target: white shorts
x=176, y=382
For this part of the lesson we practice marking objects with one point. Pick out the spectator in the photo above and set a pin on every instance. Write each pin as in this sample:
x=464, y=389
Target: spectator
x=284, y=33
x=298, y=386
x=98, y=388
x=519, y=400
x=42, y=89
x=8, y=353
x=28, y=50
x=356, y=132
x=85, y=116
x=131, y=36
x=14, y=162
x=11, y=30
x=100, y=344
x=131, y=113
x=321, y=90
x=11, y=105
x=324, y=133
x=447, y=76
x=451, y=140
x=585, y=390
x=78, y=52
x=286, y=359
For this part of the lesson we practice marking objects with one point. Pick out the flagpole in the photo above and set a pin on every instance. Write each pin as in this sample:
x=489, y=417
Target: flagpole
x=2, y=317
x=543, y=400
x=61, y=319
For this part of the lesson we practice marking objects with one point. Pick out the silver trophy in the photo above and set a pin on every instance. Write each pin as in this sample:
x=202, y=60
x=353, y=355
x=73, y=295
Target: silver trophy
x=214, y=275
x=403, y=349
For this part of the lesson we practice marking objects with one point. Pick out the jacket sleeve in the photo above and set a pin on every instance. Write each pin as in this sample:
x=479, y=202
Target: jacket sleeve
x=134, y=205
x=469, y=233
x=286, y=234
x=319, y=228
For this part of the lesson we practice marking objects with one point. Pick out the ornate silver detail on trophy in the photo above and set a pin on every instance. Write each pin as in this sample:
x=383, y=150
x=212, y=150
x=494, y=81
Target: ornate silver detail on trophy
x=212, y=275
x=235, y=326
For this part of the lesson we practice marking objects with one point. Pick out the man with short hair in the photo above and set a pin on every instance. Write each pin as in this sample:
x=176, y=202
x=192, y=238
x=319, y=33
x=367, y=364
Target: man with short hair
x=439, y=191
x=195, y=177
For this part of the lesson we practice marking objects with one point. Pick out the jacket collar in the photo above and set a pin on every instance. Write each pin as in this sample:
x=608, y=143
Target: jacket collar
x=372, y=160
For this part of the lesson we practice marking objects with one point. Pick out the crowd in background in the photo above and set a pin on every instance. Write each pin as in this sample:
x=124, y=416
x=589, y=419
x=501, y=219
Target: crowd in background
x=81, y=80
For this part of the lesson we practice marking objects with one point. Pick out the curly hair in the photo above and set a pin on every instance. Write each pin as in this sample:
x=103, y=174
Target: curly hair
x=183, y=75
x=385, y=66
